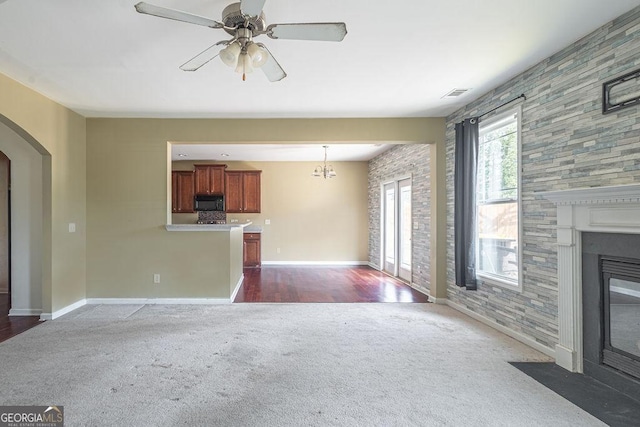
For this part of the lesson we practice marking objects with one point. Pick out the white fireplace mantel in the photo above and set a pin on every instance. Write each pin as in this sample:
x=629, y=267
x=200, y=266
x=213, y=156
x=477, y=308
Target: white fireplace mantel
x=614, y=209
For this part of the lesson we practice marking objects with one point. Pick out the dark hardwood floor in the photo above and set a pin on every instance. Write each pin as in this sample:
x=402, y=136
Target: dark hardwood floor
x=14, y=325
x=323, y=284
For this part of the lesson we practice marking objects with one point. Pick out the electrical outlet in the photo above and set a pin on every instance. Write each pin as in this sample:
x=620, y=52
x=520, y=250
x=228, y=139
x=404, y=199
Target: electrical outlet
x=277, y=250
x=156, y=278
x=267, y=221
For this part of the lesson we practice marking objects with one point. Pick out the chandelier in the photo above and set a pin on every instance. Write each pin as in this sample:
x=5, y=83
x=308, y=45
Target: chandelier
x=324, y=171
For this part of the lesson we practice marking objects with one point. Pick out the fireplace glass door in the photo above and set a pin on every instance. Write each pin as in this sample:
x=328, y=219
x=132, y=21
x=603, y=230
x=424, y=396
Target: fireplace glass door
x=621, y=288
x=624, y=315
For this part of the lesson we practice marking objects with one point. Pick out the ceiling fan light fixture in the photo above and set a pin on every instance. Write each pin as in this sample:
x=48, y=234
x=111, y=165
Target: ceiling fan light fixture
x=245, y=20
x=230, y=54
x=244, y=64
x=257, y=54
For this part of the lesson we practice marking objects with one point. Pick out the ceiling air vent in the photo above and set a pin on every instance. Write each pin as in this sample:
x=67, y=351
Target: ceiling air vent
x=456, y=93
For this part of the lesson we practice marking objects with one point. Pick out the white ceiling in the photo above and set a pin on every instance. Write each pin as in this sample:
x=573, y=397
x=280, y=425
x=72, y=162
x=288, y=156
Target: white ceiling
x=103, y=59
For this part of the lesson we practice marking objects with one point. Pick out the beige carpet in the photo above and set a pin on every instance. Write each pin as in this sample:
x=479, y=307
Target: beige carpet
x=278, y=365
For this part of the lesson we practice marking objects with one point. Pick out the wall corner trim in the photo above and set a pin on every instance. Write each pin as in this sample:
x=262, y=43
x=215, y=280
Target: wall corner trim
x=235, y=291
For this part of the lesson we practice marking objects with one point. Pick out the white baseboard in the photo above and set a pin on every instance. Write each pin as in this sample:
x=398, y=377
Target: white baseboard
x=441, y=301
x=25, y=312
x=63, y=311
x=513, y=334
x=315, y=262
x=124, y=301
x=235, y=291
x=167, y=301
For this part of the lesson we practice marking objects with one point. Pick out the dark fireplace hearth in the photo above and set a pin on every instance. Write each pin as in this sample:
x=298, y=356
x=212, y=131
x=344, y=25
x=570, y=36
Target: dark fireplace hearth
x=611, y=309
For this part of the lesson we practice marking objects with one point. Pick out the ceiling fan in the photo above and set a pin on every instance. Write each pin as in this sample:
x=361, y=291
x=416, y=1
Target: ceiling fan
x=244, y=21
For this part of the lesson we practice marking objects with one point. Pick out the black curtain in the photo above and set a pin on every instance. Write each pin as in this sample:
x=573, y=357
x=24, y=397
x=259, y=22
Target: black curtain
x=466, y=164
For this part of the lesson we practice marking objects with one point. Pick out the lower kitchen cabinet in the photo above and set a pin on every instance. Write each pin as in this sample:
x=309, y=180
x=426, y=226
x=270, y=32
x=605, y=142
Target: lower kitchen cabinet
x=252, y=256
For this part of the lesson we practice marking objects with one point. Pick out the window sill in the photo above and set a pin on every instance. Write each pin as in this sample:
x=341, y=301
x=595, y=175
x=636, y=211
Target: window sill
x=490, y=279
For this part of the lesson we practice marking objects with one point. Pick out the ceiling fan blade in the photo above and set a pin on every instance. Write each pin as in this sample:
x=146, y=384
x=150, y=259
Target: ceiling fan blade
x=251, y=7
x=322, y=31
x=271, y=68
x=203, y=57
x=177, y=15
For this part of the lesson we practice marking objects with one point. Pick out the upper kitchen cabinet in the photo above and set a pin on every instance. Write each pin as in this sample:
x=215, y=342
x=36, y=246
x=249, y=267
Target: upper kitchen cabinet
x=182, y=183
x=210, y=179
x=242, y=191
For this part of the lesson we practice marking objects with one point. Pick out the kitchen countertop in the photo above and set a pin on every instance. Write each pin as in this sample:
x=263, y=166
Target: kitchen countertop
x=253, y=229
x=208, y=227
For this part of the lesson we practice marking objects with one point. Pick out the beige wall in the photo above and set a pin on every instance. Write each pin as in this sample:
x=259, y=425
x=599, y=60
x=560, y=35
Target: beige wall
x=312, y=219
x=58, y=135
x=127, y=187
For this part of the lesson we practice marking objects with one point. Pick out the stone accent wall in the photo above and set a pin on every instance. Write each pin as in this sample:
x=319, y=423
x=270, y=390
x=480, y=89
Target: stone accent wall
x=399, y=161
x=566, y=143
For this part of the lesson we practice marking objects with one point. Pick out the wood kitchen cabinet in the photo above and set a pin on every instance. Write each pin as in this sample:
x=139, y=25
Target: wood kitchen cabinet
x=251, y=245
x=182, y=191
x=209, y=179
x=242, y=191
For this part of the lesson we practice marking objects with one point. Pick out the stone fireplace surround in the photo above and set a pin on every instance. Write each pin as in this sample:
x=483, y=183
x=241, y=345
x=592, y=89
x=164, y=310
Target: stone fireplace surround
x=614, y=209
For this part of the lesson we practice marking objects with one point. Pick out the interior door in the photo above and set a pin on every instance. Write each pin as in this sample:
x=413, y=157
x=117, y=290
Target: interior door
x=389, y=242
x=404, y=229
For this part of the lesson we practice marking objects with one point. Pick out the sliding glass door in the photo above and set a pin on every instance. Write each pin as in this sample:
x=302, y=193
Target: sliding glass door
x=389, y=225
x=396, y=228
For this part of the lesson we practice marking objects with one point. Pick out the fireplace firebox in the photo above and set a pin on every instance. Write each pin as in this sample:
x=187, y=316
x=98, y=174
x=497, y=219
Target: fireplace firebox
x=611, y=309
x=621, y=314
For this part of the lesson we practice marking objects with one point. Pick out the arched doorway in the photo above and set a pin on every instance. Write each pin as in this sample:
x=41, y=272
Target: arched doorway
x=30, y=170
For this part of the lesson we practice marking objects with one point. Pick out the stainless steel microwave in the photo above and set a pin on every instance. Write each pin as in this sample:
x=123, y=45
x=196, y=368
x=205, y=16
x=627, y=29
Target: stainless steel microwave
x=209, y=203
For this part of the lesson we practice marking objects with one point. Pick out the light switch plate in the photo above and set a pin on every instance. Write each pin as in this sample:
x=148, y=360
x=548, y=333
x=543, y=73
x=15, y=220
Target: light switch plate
x=72, y=227
x=267, y=221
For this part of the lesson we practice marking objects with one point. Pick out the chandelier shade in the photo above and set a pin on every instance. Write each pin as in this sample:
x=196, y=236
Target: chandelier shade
x=229, y=55
x=243, y=54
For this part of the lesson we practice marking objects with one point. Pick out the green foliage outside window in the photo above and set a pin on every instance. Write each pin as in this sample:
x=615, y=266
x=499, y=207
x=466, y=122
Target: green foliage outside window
x=498, y=164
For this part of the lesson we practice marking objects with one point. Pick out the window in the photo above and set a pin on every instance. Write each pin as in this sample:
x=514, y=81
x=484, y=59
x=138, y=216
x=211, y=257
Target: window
x=498, y=200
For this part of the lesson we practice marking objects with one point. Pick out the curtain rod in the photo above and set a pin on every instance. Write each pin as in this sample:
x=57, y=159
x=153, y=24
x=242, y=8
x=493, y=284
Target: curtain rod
x=502, y=105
